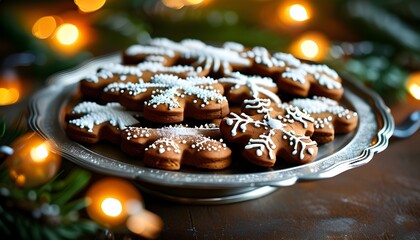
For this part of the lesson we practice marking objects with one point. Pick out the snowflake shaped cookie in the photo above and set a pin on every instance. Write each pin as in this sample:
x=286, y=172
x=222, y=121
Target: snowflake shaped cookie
x=170, y=99
x=92, y=85
x=90, y=122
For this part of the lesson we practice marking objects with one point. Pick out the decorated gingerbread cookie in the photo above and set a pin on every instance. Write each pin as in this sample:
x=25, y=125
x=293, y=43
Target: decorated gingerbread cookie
x=92, y=86
x=264, y=137
x=330, y=118
x=91, y=122
x=170, y=99
x=291, y=75
x=170, y=148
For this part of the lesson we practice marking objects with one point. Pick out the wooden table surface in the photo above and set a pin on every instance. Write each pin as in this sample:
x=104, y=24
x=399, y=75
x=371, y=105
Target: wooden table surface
x=378, y=200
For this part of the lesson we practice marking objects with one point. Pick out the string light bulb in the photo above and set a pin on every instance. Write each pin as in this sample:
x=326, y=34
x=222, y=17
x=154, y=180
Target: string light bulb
x=39, y=153
x=10, y=88
x=89, y=5
x=413, y=85
x=312, y=46
x=111, y=207
x=111, y=201
x=294, y=12
x=32, y=162
x=298, y=13
x=67, y=34
x=44, y=27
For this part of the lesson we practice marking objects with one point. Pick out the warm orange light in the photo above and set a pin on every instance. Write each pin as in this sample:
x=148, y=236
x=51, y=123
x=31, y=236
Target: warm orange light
x=309, y=48
x=67, y=34
x=312, y=46
x=293, y=12
x=111, y=207
x=413, y=85
x=298, y=13
x=39, y=153
x=145, y=224
x=8, y=96
x=44, y=27
x=111, y=201
x=89, y=5
x=32, y=162
x=192, y=2
x=175, y=4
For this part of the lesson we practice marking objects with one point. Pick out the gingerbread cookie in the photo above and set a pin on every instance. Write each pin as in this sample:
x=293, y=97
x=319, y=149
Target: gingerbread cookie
x=170, y=99
x=170, y=148
x=91, y=122
x=291, y=75
x=239, y=87
x=92, y=86
x=264, y=137
x=330, y=117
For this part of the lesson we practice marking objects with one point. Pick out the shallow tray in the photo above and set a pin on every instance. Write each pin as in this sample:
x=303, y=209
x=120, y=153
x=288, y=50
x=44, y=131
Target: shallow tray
x=241, y=181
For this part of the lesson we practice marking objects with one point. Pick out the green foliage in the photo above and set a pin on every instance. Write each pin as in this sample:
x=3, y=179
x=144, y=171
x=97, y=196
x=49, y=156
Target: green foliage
x=48, y=212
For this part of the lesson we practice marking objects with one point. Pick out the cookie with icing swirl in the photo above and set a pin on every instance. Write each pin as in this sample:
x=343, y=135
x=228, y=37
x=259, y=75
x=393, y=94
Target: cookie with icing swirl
x=267, y=134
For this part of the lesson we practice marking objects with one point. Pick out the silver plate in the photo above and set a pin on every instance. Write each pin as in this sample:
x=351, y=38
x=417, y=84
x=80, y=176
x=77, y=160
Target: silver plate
x=241, y=181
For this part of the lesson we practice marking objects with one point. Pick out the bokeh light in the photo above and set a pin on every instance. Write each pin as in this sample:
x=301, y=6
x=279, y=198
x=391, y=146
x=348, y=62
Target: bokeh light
x=294, y=13
x=8, y=96
x=110, y=202
x=178, y=4
x=413, y=85
x=39, y=153
x=312, y=46
x=89, y=5
x=44, y=27
x=309, y=48
x=111, y=207
x=32, y=162
x=67, y=34
x=175, y=4
x=145, y=224
x=192, y=2
x=298, y=12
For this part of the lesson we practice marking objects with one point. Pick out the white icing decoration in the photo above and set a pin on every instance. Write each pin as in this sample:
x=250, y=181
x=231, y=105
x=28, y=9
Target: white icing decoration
x=298, y=115
x=275, y=124
x=310, y=151
x=256, y=84
x=242, y=121
x=158, y=67
x=212, y=58
x=262, y=143
x=262, y=105
x=295, y=140
x=97, y=114
x=324, y=75
x=322, y=105
x=169, y=88
x=234, y=46
x=286, y=59
x=108, y=71
x=295, y=74
x=149, y=50
x=165, y=145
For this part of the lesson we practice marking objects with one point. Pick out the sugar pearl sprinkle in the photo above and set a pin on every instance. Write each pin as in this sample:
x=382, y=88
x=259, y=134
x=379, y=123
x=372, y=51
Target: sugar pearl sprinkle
x=323, y=105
